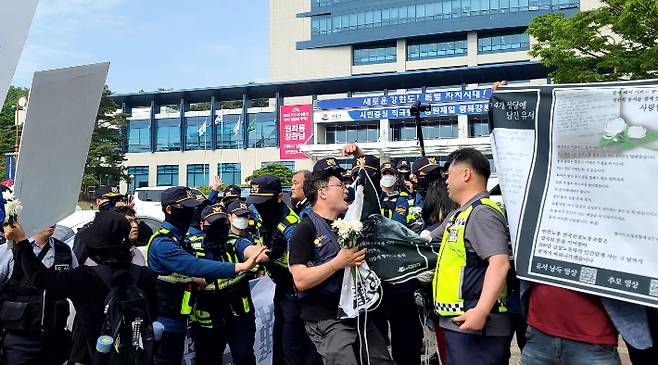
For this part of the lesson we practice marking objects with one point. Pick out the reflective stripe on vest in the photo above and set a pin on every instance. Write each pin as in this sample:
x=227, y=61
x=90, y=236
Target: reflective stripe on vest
x=451, y=270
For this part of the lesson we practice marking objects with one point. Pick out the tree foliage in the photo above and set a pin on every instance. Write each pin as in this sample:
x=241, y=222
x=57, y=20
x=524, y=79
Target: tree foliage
x=106, y=153
x=281, y=171
x=7, y=127
x=616, y=41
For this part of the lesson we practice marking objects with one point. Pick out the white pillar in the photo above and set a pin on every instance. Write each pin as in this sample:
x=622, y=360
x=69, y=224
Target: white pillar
x=462, y=126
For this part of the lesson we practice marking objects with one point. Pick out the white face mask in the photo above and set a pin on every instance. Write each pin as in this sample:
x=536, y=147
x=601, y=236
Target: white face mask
x=240, y=222
x=388, y=180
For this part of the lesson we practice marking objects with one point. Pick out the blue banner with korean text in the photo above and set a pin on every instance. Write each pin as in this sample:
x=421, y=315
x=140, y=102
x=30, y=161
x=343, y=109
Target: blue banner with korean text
x=405, y=99
x=403, y=112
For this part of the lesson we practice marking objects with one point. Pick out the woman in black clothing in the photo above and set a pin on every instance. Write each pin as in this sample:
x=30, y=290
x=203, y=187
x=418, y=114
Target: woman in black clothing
x=107, y=244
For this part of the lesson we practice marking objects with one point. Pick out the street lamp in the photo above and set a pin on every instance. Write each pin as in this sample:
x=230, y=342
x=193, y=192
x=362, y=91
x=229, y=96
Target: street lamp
x=131, y=182
x=21, y=103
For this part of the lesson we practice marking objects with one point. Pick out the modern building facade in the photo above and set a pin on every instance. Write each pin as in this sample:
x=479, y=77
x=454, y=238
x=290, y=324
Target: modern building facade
x=360, y=64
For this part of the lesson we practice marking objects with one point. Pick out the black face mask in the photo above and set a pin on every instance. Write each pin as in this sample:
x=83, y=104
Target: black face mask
x=269, y=212
x=180, y=218
x=424, y=182
x=216, y=232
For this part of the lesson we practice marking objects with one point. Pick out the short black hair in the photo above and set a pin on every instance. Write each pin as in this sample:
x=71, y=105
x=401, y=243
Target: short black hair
x=474, y=158
x=125, y=210
x=318, y=180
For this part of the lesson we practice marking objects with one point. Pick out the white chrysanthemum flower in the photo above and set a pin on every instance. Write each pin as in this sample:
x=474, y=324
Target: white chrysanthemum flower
x=13, y=207
x=637, y=132
x=614, y=127
x=348, y=232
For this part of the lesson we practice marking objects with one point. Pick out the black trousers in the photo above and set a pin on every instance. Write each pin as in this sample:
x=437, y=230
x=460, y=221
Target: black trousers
x=170, y=349
x=292, y=345
x=36, y=350
x=238, y=332
x=399, y=310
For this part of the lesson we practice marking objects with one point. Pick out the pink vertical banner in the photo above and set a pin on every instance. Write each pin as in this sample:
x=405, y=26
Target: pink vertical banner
x=294, y=130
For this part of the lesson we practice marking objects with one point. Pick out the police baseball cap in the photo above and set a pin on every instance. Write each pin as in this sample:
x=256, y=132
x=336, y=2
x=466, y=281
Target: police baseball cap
x=328, y=164
x=232, y=191
x=109, y=229
x=238, y=207
x=213, y=212
x=368, y=162
x=403, y=167
x=264, y=188
x=108, y=192
x=182, y=195
x=388, y=167
x=425, y=164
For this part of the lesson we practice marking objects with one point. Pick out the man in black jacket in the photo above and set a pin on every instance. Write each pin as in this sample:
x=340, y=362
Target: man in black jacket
x=108, y=244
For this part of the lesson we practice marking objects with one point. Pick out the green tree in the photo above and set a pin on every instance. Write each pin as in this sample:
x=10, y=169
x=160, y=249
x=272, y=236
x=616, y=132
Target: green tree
x=106, y=153
x=616, y=41
x=281, y=171
x=7, y=127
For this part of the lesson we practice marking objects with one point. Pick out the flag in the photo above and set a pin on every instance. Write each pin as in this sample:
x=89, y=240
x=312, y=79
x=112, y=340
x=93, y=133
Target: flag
x=220, y=117
x=236, y=129
x=252, y=126
x=202, y=129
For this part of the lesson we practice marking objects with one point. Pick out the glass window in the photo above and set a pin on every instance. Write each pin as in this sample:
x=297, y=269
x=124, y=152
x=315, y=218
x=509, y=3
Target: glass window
x=288, y=164
x=370, y=18
x=229, y=173
x=394, y=15
x=386, y=17
x=139, y=136
x=167, y=175
x=140, y=177
x=478, y=126
x=436, y=48
x=226, y=128
x=433, y=128
x=345, y=22
x=377, y=54
x=353, y=21
x=262, y=130
x=402, y=14
x=195, y=137
x=361, y=20
x=197, y=175
x=420, y=12
x=503, y=42
x=342, y=133
x=315, y=26
x=168, y=134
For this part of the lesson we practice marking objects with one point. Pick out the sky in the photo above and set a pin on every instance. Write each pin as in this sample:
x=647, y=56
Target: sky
x=151, y=44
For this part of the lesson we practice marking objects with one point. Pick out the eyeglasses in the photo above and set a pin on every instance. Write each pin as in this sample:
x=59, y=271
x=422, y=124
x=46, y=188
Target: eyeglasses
x=342, y=186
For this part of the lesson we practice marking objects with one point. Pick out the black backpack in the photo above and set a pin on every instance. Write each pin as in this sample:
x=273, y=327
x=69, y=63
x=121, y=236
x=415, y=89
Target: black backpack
x=126, y=318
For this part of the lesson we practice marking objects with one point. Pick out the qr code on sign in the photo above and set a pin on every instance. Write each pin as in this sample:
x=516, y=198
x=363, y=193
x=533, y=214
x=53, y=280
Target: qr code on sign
x=653, y=288
x=588, y=275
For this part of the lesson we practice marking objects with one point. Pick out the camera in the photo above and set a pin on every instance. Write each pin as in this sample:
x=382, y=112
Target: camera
x=418, y=108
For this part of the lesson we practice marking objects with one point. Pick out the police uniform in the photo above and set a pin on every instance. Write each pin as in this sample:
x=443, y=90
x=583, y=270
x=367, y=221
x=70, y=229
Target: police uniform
x=459, y=278
x=172, y=259
x=291, y=343
x=395, y=205
x=426, y=165
x=35, y=319
x=223, y=311
x=398, y=310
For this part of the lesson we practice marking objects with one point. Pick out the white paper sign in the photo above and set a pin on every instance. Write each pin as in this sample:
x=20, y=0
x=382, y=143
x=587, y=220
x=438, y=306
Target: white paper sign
x=15, y=20
x=55, y=140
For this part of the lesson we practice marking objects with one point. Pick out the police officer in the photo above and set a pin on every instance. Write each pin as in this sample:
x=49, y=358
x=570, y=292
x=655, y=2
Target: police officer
x=300, y=203
x=172, y=260
x=35, y=319
x=223, y=310
x=426, y=170
x=107, y=197
x=470, y=278
x=395, y=204
x=404, y=181
x=278, y=222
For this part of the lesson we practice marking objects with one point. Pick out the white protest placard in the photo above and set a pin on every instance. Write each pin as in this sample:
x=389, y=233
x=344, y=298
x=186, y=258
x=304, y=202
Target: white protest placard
x=576, y=165
x=15, y=20
x=62, y=110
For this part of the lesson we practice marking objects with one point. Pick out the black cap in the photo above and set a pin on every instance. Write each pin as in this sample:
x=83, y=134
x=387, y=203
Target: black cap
x=368, y=162
x=403, y=167
x=388, y=167
x=109, y=229
x=347, y=175
x=213, y=212
x=238, y=207
x=328, y=164
x=182, y=195
x=426, y=165
x=232, y=191
x=108, y=192
x=264, y=188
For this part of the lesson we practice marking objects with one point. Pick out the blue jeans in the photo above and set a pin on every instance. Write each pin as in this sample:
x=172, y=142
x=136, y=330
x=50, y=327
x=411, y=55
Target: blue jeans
x=543, y=349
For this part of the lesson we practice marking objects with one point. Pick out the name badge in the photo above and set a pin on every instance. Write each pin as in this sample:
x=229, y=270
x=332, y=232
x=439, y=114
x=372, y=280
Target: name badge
x=62, y=267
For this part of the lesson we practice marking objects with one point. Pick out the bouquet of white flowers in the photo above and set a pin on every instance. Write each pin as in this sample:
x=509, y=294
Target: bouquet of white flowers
x=348, y=232
x=13, y=207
